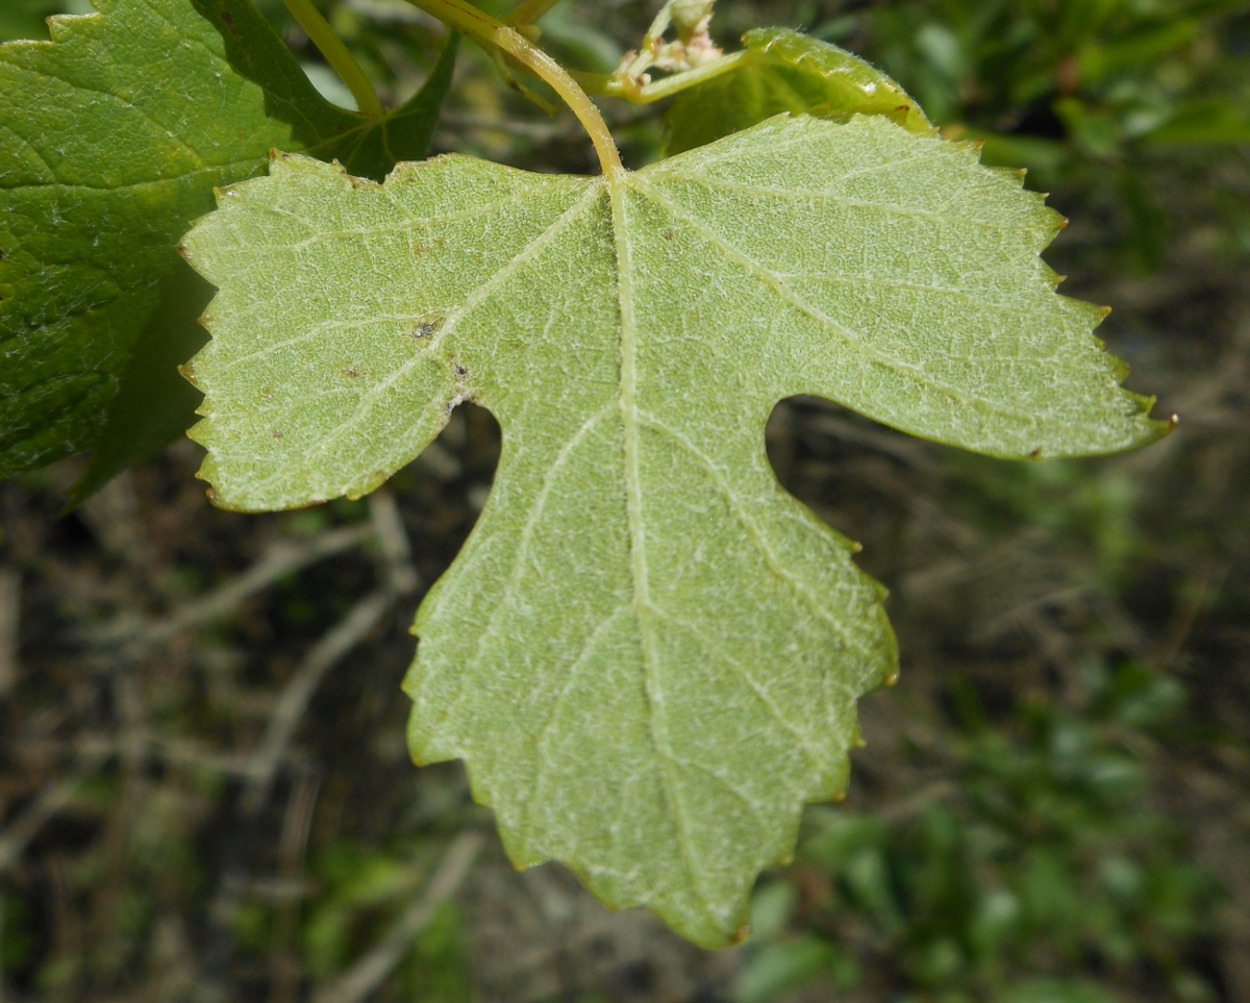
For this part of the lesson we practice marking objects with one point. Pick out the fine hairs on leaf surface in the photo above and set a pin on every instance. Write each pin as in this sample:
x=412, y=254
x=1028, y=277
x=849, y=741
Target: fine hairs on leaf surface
x=647, y=654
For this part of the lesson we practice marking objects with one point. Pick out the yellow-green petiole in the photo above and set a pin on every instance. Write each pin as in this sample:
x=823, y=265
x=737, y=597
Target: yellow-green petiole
x=337, y=55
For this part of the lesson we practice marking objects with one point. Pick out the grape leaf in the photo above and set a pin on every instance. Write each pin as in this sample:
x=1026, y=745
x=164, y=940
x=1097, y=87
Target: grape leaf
x=115, y=133
x=784, y=71
x=647, y=653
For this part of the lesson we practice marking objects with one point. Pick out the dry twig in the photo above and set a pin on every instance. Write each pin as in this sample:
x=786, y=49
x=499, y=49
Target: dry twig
x=368, y=974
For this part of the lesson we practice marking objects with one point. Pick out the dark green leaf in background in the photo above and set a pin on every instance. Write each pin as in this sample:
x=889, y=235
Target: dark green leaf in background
x=113, y=136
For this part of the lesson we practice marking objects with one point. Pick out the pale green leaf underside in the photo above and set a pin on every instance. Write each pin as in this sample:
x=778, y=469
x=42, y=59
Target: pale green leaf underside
x=647, y=653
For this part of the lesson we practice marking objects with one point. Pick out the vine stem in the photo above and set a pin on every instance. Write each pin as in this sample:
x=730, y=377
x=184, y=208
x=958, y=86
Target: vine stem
x=619, y=85
x=487, y=30
x=337, y=55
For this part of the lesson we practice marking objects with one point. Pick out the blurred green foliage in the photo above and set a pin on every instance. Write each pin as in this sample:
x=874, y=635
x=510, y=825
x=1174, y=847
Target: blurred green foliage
x=1119, y=100
x=1033, y=857
x=360, y=892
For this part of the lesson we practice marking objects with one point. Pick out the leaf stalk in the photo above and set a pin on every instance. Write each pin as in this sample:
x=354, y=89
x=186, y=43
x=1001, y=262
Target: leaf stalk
x=495, y=34
x=621, y=85
x=337, y=55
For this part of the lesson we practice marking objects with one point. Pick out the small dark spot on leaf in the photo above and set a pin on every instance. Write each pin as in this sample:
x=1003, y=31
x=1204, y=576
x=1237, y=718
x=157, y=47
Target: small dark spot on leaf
x=228, y=20
x=1036, y=454
x=422, y=247
x=350, y=373
x=668, y=235
x=458, y=370
x=277, y=433
x=427, y=327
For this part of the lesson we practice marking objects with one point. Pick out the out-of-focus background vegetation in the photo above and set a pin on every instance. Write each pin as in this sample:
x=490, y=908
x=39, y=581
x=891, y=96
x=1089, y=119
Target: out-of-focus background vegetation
x=204, y=790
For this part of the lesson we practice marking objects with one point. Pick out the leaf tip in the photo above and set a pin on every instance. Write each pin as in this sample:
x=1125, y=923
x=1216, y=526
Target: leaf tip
x=187, y=372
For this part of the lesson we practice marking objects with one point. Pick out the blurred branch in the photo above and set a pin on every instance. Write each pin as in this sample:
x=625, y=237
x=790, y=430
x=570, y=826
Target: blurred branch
x=10, y=613
x=368, y=974
x=49, y=801
x=333, y=645
x=283, y=558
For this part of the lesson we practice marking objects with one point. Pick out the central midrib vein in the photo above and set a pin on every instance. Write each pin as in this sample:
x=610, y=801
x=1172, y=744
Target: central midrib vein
x=631, y=423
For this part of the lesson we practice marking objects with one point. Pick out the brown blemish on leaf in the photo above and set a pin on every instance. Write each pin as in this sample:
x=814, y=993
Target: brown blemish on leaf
x=1036, y=454
x=426, y=327
x=277, y=433
x=228, y=20
x=350, y=373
